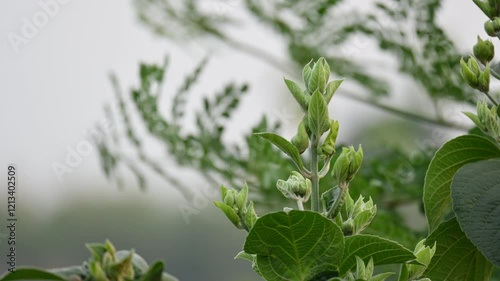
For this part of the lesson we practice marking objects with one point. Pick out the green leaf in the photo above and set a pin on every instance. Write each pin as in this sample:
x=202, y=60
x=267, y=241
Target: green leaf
x=297, y=245
x=285, y=146
x=381, y=250
x=456, y=258
x=331, y=88
x=448, y=159
x=319, y=121
x=154, y=273
x=298, y=94
x=229, y=212
x=476, y=195
x=30, y=274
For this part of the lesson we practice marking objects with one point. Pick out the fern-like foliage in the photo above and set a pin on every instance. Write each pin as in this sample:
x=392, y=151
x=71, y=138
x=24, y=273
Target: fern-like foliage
x=404, y=29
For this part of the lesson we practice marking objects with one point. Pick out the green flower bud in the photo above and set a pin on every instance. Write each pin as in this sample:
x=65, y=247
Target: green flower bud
x=473, y=75
x=492, y=27
x=327, y=149
x=348, y=227
x=319, y=76
x=97, y=272
x=296, y=187
x=301, y=139
x=424, y=255
x=484, y=50
x=347, y=165
x=484, y=80
x=230, y=197
x=242, y=198
x=487, y=9
x=487, y=119
x=362, y=214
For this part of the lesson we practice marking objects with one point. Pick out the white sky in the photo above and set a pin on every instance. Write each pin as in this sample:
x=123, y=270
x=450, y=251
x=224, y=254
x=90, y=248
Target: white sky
x=56, y=85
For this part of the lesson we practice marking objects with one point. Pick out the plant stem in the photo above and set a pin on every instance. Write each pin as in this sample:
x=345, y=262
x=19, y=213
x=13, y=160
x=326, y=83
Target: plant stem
x=300, y=205
x=314, y=175
x=491, y=98
x=339, y=201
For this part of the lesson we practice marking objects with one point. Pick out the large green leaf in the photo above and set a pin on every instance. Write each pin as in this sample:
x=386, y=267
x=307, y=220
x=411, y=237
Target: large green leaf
x=381, y=250
x=319, y=121
x=31, y=274
x=285, y=146
x=456, y=258
x=448, y=159
x=297, y=245
x=476, y=202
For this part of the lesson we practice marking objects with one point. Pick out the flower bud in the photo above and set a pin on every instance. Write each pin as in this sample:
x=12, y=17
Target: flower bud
x=487, y=119
x=230, y=197
x=319, y=76
x=235, y=207
x=484, y=50
x=488, y=10
x=492, y=27
x=296, y=187
x=424, y=255
x=301, y=139
x=484, y=80
x=347, y=165
x=362, y=214
x=473, y=75
x=327, y=149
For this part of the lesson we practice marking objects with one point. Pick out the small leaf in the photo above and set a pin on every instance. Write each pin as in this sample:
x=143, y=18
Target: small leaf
x=381, y=250
x=476, y=196
x=331, y=88
x=319, y=121
x=244, y=256
x=298, y=94
x=456, y=258
x=447, y=160
x=295, y=246
x=154, y=273
x=284, y=145
x=30, y=274
x=229, y=212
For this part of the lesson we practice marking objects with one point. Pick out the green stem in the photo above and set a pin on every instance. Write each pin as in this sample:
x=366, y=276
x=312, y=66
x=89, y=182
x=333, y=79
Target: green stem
x=314, y=175
x=300, y=205
x=339, y=201
x=491, y=98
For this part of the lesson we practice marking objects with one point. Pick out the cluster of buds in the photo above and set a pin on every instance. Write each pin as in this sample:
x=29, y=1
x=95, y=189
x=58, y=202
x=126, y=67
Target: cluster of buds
x=484, y=50
x=359, y=215
x=107, y=264
x=313, y=101
x=296, y=187
x=236, y=207
x=491, y=8
x=424, y=255
x=487, y=119
x=474, y=76
x=364, y=272
x=347, y=165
